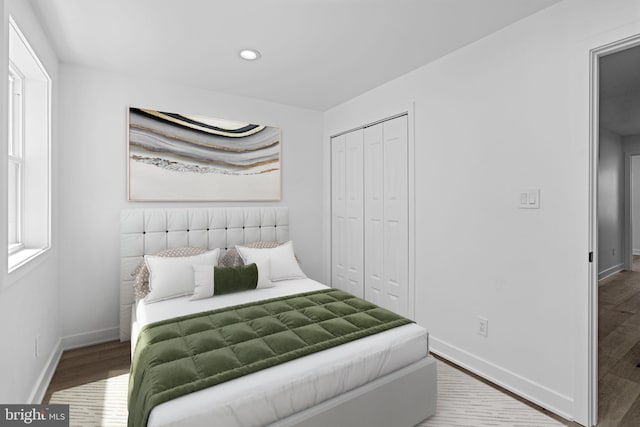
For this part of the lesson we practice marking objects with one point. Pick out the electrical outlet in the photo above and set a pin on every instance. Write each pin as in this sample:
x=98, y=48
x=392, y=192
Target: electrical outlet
x=483, y=326
x=37, y=346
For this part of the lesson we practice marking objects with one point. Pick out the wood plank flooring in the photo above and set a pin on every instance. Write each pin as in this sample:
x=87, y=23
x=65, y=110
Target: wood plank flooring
x=88, y=364
x=619, y=349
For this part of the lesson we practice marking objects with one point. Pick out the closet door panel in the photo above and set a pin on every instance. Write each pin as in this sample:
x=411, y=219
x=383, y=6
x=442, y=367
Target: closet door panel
x=396, y=216
x=354, y=213
x=373, y=214
x=338, y=213
x=394, y=297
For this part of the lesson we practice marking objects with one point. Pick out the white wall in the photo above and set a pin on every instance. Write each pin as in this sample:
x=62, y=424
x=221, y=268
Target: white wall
x=93, y=176
x=29, y=296
x=509, y=111
x=635, y=204
x=610, y=204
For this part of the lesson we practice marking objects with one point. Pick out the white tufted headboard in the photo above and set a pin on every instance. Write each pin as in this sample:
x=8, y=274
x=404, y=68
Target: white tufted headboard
x=146, y=231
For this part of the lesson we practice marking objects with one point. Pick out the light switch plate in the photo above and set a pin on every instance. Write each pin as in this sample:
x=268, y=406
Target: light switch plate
x=529, y=198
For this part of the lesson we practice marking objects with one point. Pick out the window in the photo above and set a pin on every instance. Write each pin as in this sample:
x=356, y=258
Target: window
x=15, y=160
x=28, y=152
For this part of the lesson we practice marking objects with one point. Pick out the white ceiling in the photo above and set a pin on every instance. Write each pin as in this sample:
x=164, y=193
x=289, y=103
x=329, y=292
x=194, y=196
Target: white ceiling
x=315, y=53
x=620, y=92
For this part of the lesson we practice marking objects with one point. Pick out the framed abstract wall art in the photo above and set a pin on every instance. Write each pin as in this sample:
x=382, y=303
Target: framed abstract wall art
x=183, y=157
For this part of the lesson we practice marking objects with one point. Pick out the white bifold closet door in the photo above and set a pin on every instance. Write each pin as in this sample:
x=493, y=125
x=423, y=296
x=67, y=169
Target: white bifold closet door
x=347, y=183
x=370, y=214
x=386, y=210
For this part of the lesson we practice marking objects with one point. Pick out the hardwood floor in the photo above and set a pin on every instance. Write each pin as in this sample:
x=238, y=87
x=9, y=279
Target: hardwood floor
x=88, y=364
x=619, y=349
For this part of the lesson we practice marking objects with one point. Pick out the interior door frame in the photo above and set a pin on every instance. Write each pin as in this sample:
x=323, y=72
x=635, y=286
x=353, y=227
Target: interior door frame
x=628, y=212
x=628, y=207
x=594, y=144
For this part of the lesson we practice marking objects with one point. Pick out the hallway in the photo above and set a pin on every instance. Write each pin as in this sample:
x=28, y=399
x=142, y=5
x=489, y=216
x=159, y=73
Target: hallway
x=619, y=348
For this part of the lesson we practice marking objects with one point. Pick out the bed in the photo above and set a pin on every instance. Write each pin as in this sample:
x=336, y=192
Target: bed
x=380, y=380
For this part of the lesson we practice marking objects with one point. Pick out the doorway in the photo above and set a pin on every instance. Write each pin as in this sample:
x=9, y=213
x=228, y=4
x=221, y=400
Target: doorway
x=616, y=286
x=633, y=206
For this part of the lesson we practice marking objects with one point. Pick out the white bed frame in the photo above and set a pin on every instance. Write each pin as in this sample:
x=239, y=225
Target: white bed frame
x=402, y=398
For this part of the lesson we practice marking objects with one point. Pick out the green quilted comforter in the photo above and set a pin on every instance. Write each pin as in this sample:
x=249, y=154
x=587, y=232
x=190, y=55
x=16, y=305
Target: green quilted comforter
x=178, y=356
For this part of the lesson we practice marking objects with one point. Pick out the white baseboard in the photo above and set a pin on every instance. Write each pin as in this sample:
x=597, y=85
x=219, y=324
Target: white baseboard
x=68, y=343
x=610, y=271
x=90, y=338
x=635, y=251
x=542, y=396
x=38, y=392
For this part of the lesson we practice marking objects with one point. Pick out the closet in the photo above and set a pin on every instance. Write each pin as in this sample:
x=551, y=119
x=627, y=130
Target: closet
x=370, y=213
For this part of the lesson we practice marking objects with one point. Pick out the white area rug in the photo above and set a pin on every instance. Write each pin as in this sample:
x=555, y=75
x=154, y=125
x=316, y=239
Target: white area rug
x=97, y=404
x=463, y=401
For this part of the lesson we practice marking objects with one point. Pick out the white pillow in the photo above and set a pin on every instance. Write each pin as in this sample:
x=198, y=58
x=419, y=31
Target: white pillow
x=204, y=281
x=264, y=273
x=283, y=262
x=172, y=277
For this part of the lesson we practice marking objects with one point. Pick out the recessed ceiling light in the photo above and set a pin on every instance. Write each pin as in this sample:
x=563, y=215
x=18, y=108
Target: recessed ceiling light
x=250, y=54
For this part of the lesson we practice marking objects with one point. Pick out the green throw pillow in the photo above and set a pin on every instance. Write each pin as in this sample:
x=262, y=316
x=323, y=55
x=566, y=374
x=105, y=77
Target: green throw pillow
x=234, y=279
